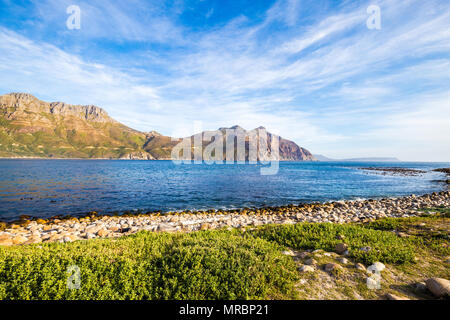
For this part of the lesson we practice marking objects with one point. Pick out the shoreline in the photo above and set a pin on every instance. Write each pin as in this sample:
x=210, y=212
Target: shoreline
x=68, y=229
x=314, y=161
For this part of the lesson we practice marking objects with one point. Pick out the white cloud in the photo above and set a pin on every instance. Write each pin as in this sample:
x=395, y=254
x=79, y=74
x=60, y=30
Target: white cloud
x=334, y=86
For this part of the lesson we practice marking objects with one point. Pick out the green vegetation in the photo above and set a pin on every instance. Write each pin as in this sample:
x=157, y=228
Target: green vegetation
x=235, y=264
x=430, y=231
x=74, y=138
x=384, y=246
x=203, y=265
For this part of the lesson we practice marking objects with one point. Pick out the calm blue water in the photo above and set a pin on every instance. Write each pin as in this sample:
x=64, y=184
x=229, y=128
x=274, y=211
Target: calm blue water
x=45, y=188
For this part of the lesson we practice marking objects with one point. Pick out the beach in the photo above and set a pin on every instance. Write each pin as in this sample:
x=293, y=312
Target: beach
x=94, y=226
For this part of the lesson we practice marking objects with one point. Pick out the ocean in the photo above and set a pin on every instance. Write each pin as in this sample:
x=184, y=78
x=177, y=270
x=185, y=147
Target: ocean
x=46, y=188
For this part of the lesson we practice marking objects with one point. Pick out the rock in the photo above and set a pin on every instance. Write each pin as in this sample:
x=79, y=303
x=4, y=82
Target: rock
x=33, y=240
x=166, y=228
x=102, y=233
x=303, y=255
x=360, y=266
x=402, y=234
x=19, y=239
x=391, y=296
x=439, y=287
x=5, y=240
x=365, y=249
x=332, y=267
x=289, y=253
x=93, y=229
x=342, y=260
x=420, y=287
x=310, y=262
x=341, y=248
x=378, y=266
x=55, y=237
x=306, y=269
x=302, y=281
x=205, y=226
x=113, y=228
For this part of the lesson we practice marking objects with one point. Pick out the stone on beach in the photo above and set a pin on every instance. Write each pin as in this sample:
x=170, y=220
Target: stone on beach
x=438, y=287
x=93, y=226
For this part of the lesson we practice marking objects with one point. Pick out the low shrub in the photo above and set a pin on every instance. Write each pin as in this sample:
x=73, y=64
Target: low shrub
x=384, y=246
x=201, y=265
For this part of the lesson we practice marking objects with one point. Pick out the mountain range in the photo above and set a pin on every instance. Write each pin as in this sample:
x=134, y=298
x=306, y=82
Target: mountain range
x=33, y=128
x=320, y=157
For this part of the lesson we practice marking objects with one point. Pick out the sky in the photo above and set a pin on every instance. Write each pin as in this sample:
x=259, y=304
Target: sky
x=311, y=71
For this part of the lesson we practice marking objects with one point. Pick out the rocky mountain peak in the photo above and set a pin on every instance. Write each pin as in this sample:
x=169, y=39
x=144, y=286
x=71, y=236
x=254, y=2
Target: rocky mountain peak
x=25, y=102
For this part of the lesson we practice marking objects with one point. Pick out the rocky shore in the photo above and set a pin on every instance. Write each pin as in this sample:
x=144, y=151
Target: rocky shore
x=93, y=226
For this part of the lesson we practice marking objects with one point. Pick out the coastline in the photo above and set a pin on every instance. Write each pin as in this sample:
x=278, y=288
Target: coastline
x=68, y=229
x=134, y=159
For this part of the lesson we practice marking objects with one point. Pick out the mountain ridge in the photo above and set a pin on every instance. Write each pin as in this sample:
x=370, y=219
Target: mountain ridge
x=32, y=128
x=321, y=157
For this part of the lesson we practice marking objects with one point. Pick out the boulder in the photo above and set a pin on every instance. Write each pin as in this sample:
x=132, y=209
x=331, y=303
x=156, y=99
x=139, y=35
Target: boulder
x=391, y=296
x=341, y=248
x=439, y=287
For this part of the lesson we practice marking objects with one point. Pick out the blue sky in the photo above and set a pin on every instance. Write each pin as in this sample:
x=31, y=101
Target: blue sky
x=310, y=71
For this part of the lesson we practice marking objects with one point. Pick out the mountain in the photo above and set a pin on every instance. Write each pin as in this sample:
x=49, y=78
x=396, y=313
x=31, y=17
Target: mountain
x=288, y=150
x=30, y=127
x=320, y=157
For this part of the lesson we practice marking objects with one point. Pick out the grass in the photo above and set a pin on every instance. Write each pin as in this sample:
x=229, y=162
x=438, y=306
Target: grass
x=235, y=264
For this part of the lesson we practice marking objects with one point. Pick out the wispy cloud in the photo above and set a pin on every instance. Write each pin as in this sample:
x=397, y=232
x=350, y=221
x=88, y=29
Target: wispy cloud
x=312, y=72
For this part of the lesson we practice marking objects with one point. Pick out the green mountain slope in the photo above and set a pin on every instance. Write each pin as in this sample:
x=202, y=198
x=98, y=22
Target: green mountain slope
x=30, y=127
x=33, y=128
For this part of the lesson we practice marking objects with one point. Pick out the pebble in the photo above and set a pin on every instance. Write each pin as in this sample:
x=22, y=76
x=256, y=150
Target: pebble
x=110, y=226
